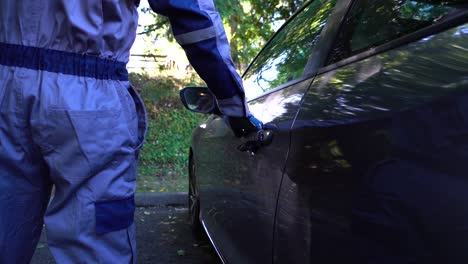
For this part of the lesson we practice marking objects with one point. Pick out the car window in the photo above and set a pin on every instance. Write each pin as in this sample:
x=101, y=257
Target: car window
x=285, y=56
x=370, y=23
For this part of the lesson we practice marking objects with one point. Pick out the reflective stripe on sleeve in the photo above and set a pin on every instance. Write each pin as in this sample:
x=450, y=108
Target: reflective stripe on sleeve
x=199, y=35
x=234, y=106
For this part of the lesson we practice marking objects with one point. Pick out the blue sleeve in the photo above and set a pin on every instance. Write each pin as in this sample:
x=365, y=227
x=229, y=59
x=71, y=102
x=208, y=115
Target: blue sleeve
x=198, y=28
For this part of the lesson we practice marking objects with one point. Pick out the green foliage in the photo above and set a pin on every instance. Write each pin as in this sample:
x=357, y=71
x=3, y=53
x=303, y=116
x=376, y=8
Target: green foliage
x=252, y=22
x=164, y=157
x=159, y=28
x=249, y=23
x=286, y=55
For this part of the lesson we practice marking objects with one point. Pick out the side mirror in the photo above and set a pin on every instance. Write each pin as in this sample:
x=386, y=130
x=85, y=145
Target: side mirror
x=198, y=100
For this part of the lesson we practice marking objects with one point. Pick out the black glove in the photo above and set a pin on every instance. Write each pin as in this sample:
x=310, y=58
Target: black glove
x=241, y=126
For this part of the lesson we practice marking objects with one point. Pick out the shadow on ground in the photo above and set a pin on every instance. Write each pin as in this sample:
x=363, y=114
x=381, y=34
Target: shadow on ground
x=163, y=236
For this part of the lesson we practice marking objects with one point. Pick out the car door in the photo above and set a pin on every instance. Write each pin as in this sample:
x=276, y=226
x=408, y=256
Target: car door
x=375, y=164
x=238, y=189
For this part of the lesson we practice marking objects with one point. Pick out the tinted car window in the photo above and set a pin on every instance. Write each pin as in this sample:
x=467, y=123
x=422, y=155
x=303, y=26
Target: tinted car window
x=285, y=56
x=370, y=23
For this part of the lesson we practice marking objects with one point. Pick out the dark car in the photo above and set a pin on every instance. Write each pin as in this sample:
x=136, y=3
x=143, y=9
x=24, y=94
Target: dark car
x=364, y=156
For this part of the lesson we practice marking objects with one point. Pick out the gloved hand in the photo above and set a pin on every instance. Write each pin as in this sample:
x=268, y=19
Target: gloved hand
x=241, y=126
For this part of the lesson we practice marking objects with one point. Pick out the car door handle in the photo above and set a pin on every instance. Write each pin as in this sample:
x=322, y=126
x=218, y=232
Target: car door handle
x=262, y=138
x=265, y=137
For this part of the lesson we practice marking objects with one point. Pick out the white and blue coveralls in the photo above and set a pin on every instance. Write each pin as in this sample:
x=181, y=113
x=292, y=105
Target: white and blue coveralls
x=70, y=118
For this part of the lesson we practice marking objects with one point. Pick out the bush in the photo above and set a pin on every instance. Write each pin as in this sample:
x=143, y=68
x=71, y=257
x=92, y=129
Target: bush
x=164, y=157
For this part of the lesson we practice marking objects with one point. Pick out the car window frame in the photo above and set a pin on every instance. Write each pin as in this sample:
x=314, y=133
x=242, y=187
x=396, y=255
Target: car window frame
x=451, y=21
x=319, y=55
x=294, y=15
x=335, y=18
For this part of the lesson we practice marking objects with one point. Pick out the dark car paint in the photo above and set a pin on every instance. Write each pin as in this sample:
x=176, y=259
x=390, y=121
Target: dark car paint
x=366, y=180
x=238, y=190
x=394, y=111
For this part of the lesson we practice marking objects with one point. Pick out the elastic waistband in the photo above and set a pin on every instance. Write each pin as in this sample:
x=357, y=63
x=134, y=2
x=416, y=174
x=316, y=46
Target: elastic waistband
x=62, y=62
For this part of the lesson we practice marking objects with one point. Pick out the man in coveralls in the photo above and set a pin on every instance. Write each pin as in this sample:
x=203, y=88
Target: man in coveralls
x=70, y=118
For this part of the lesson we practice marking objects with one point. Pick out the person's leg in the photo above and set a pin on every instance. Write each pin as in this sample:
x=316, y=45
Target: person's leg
x=24, y=188
x=89, y=133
